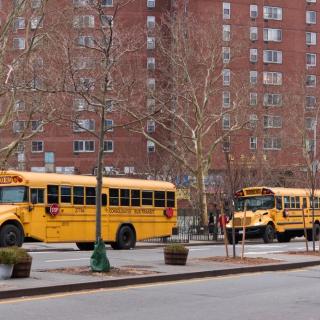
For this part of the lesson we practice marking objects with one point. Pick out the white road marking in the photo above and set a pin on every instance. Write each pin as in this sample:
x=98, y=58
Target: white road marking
x=61, y=260
x=265, y=252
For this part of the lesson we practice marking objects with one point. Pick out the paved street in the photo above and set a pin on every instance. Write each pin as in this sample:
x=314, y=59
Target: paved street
x=278, y=295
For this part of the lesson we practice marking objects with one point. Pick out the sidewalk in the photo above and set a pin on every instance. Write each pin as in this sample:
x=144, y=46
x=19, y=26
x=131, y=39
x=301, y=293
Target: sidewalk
x=48, y=282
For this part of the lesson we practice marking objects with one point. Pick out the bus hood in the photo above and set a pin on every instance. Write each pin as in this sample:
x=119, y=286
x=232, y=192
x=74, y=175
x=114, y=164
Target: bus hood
x=9, y=208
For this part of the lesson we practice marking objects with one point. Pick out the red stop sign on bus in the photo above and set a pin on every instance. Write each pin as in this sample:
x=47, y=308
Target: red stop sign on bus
x=54, y=209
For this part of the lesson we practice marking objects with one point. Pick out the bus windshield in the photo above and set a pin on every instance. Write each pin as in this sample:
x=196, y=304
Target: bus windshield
x=13, y=194
x=255, y=203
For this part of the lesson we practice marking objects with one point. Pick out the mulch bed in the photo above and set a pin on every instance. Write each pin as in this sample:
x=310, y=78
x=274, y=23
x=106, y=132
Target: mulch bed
x=238, y=260
x=114, y=272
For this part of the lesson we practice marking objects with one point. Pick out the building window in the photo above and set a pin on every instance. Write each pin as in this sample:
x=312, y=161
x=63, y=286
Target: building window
x=311, y=80
x=151, y=126
x=226, y=11
x=272, y=143
x=253, y=120
x=107, y=3
x=36, y=126
x=151, y=105
x=226, y=99
x=151, y=63
x=80, y=104
x=108, y=125
x=225, y=54
x=19, y=23
x=106, y=20
x=311, y=38
x=81, y=3
x=226, y=32
x=85, y=41
x=151, y=22
x=253, y=77
x=253, y=98
x=253, y=55
x=309, y=145
x=272, y=122
x=151, y=147
x=226, y=121
x=83, y=125
x=36, y=4
x=310, y=102
x=272, y=100
x=83, y=146
x=110, y=105
x=311, y=17
x=272, y=78
x=151, y=84
x=310, y=123
x=19, y=43
x=253, y=33
x=19, y=105
x=83, y=21
x=151, y=3
x=253, y=142
x=226, y=77
x=36, y=22
x=311, y=59
x=274, y=35
x=108, y=146
x=18, y=126
x=272, y=56
x=272, y=13
x=253, y=11
x=36, y=146
x=151, y=43
x=226, y=144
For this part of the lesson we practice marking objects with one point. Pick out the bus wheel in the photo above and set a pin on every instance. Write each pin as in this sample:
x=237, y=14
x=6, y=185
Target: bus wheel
x=316, y=232
x=268, y=235
x=126, y=238
x=10, y=235
x=283, y=237
x=85, y=246
x=114, y=245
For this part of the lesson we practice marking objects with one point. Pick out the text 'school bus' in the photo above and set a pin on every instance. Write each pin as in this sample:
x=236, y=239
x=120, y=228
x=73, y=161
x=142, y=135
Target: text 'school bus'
x=274, y=213
x=61, y=208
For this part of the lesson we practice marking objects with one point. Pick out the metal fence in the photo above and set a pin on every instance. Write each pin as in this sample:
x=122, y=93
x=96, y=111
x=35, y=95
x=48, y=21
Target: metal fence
x=189, y=229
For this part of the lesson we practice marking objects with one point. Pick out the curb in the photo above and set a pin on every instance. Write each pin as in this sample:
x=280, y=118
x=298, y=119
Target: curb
x=68, y=288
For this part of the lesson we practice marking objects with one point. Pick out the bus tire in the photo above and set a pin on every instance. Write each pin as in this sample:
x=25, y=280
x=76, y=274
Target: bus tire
x=11, y=235
x=114, y=245
x=126, y=238
x=316, y=232
x=283, y=237
x=269, y=234
x=85, y=246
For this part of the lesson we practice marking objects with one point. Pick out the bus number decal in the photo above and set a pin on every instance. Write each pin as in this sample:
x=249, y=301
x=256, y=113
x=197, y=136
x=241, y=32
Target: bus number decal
x=10, y=179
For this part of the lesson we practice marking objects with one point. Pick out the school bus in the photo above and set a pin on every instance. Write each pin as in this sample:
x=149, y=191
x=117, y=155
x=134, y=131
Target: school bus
x=274, y=213
x=53, y=207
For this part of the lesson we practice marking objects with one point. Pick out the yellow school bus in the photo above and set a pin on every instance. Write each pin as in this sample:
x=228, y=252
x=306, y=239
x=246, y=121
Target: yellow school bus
x=274, y=213
x=53, y=207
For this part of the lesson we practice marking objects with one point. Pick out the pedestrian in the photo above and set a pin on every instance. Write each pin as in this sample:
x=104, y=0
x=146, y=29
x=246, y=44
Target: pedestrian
x=223, y=220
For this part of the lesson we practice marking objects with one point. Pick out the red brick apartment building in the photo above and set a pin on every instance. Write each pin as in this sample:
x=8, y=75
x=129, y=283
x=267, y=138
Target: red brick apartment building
x=278, y=62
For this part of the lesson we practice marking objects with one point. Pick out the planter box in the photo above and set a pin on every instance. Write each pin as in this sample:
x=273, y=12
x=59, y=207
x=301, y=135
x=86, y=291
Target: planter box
x=22, y=269
x=175, y=258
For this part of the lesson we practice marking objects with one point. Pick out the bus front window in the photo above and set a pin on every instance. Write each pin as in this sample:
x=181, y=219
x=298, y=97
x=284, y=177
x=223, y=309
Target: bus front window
x=13, y=194
x=255, y=203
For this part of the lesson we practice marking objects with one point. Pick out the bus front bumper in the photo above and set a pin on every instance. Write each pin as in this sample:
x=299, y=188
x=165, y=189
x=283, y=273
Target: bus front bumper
x=251, y=232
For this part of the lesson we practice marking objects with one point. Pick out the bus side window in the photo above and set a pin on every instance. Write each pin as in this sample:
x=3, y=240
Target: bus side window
x=53, y=194
x=292, y=202
x=124, y=197
x=90, y=196
x=65, y=196
x=114, y=197
x=297, y=202
x=104, y=200
x=159, y=198
x=279, y=203
x=147, y=198
x=316, y=202
x=170, y=199
x=304, y=203
x=135, y=198
x=37, y=196
x=78, y=195
x=286, y=202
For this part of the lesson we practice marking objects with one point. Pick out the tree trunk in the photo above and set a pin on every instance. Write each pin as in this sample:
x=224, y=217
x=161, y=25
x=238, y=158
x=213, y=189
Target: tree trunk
x=202, y=198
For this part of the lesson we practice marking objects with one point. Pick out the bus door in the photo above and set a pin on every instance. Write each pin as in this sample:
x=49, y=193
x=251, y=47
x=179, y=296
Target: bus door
x=37, y=214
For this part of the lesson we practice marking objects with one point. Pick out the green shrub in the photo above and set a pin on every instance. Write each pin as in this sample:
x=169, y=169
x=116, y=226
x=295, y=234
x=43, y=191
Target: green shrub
x=176, y=247
x=13, y=255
